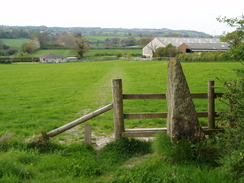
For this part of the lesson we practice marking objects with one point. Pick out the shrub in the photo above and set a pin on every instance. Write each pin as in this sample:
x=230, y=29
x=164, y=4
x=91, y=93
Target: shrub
x=204, y=56
x=232, y=159
x=119, y=54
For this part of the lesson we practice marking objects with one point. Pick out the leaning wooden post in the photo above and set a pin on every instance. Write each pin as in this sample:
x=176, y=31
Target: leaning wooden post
x=211, y=105
x=118, y=108
x=88, y=133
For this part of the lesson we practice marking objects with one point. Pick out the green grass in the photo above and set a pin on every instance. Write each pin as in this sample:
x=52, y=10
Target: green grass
x=41, y=97
x=64, y=52
x=17, y=43
x=90, y=53
x=94, y=52
x=45, y=96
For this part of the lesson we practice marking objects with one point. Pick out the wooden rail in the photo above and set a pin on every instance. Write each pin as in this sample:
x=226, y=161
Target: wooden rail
x=119, y=115
x=150, y=132
x=79, y=121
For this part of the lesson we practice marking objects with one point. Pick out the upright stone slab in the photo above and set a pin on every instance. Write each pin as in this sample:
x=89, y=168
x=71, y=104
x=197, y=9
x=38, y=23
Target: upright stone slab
x=182, y=121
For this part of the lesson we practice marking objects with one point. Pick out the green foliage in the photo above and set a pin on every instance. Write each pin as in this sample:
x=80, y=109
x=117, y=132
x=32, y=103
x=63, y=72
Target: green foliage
x=204, y=57
x=236, y=52
x=119, y=54
x=236, y=37
x=6, y=50
x=81, y=46
x=168, y=51
x=232, y=155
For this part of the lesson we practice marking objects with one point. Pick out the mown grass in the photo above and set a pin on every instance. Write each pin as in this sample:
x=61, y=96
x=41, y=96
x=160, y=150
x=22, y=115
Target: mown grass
x=90, y=53
x=113, y=52
x=17, y=43
x=64, y=52
x=41, y=97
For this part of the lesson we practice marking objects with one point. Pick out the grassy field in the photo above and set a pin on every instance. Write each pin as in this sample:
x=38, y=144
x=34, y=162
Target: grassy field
x=90, y=53
x=17, y=43
x=43, y=97
x=64, y=52
x=94, y=52
x=40, y=97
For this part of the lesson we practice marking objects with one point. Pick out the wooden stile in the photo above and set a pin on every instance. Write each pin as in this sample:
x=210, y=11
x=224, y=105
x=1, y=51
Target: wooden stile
x=79, y=121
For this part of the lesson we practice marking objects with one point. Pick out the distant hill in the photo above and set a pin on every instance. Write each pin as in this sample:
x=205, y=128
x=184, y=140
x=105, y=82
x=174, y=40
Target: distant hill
x=25, y=31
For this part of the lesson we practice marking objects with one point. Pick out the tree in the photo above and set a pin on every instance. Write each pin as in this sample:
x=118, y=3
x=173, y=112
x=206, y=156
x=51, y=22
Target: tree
x=168, y=51
x=42, y=38
x=67, y=40
x=235, y=38
x=130, y=41
x=144, y=41
x=81, y=46
x=31, y=46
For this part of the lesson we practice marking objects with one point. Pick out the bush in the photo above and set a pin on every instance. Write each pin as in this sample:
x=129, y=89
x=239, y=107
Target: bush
x=232, y=159
x=204, y=56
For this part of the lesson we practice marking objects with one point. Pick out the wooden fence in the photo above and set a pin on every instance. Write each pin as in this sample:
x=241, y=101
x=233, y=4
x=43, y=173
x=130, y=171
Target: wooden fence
x=119, y=115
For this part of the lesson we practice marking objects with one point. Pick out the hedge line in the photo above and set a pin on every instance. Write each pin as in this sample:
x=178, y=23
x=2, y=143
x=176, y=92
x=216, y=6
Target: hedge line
x=7, y=60
x=202, y=57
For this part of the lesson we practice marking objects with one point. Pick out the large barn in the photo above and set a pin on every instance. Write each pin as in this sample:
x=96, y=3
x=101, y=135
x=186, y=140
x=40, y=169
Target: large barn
x=185, y=45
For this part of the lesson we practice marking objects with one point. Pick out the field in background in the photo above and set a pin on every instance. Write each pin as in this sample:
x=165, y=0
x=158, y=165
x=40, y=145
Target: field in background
x=41, y=97
x=16, y=43
x=90, y=53
x=64, y=52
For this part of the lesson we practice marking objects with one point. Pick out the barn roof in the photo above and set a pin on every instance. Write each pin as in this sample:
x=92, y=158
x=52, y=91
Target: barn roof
x=208, y=46
x=178, y=41
x=51, y=55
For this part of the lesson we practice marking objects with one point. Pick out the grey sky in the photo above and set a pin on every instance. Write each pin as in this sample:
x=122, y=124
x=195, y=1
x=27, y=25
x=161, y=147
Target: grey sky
x=172, y=14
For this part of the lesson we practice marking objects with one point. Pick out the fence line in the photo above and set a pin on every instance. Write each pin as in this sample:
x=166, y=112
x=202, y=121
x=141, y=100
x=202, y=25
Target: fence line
x=120, y=116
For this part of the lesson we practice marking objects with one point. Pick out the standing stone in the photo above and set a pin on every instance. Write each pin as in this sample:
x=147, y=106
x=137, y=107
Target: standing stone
x=182, y=121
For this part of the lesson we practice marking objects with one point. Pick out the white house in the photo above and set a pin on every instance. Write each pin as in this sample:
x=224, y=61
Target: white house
x=52, y=58
x=213, y=44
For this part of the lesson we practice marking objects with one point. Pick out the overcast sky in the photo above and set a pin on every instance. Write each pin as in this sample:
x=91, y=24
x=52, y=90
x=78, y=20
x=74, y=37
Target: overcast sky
x=199, y=15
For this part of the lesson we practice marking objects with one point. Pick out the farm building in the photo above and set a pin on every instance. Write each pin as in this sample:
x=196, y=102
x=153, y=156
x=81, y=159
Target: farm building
x=72, y=59
x=52, y=58
x=185, y=45
x=201, y=47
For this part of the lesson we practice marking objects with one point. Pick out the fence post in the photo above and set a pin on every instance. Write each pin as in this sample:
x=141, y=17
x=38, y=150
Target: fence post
x=88, y=133
x=118, y=108
x=211, y=105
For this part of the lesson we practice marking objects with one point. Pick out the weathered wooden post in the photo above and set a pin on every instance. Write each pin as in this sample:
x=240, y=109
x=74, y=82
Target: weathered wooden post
x=211, y=105
x=118, y=108
x=88, y=133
